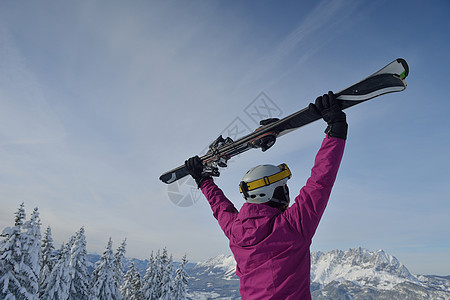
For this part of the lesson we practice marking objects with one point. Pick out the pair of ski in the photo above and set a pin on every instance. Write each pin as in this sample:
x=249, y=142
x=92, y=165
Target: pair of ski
x=389, y=79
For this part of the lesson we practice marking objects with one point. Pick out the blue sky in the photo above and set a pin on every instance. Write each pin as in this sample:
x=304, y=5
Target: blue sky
x=98, y=98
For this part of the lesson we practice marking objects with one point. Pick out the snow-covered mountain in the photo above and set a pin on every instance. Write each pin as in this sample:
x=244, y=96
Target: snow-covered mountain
x=353, y=274
x=359, y=265
x=214, y=278
x=222, y=265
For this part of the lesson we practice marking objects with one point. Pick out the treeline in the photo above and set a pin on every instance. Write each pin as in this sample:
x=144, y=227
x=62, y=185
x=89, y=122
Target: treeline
x=31, y=268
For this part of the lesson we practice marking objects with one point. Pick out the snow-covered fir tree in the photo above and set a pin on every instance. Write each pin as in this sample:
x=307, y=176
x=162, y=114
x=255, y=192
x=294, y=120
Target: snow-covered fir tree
x=57, y=285
x=157, y=274
x=103, y=285
x=166, y=277
x=48, y=255
x=137, y=284
x=79, y=288
x=180, y=281
x=31, y=254
x=127, y=288
x=158, y=281
x=150, y=280
x=11, y=259
x=131, y=288
x=32, y=269
x=118, y=263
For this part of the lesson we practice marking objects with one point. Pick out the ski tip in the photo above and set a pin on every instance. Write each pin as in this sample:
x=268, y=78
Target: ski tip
x=162, y=178
x=167, y=178
x=405, y=66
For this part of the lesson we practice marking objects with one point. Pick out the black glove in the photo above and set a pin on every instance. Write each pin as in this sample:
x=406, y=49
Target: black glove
x=194, y=166
x=328, y=107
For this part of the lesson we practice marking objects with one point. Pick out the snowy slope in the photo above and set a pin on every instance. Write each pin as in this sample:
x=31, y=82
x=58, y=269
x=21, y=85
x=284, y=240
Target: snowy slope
x=214, y=278
x=222, y=265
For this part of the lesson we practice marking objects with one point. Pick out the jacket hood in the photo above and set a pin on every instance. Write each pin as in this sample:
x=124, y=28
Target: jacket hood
x=253, y=224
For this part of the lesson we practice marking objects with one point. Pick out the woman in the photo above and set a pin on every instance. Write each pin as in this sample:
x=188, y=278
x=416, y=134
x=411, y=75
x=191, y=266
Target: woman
x=271, y=241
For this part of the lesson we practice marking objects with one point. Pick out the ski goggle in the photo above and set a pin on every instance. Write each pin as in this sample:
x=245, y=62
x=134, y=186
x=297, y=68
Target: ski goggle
x=245, y=187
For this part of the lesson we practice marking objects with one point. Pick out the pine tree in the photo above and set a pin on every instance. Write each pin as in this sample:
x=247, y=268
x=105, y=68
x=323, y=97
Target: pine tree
x=137, y=284
x=11, y=259
x=31, y=243
x=131, y=288
x=158, y=273
x=79, y=289
x=181, y=281
x=166, y=277
x=150, y=282
x=48, y=257
x=118, y=263
x=57, y=285
x=103, y=286
x=160, y=261
x=127, y=288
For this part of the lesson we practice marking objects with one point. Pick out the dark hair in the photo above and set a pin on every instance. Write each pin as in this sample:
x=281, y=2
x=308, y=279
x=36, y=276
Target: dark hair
x=275, y=204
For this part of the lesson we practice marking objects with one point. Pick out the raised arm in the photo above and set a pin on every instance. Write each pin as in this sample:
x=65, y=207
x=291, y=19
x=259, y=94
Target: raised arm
x=310, y=204
x=223, y=209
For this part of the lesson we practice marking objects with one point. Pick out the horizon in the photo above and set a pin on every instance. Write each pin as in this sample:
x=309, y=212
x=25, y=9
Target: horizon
x=225, y=255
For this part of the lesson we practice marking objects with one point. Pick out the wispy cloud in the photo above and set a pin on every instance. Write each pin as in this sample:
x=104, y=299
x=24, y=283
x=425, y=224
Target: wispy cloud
x=25, y=115
x=327, y=19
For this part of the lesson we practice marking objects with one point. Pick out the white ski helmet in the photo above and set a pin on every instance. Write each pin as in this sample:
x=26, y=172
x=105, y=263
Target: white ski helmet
x=259, y=183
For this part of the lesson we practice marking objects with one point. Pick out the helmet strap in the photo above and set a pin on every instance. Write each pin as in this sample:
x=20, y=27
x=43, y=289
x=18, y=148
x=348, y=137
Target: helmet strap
x=244, y=188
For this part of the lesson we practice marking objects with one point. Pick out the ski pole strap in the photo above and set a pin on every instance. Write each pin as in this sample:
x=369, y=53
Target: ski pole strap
x=244, y=187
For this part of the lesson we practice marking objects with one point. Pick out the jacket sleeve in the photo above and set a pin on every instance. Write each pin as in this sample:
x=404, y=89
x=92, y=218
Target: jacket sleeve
x=310, y=204
x=223, y=209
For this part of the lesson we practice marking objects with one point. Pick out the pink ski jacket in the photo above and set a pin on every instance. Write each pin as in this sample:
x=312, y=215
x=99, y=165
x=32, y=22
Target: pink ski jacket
x=271, y=248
